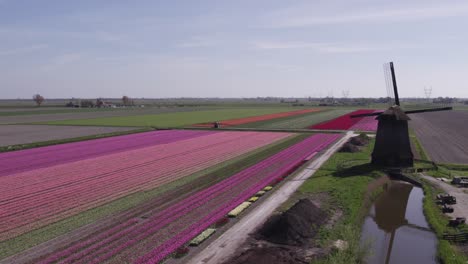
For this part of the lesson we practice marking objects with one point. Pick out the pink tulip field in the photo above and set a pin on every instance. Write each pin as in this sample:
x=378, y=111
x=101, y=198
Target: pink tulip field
x=44, y=185
x=36, y=197
x=151, y=240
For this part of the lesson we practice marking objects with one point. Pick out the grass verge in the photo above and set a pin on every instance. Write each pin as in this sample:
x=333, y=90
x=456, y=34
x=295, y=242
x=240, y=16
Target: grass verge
x=446, y=252
x=347, y=188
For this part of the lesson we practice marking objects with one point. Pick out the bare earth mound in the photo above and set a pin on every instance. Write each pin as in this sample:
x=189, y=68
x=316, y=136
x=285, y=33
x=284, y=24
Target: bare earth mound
x=443, y=135
x=354, y=144
x=294, y=227
x=285, y=238
x=267, y=256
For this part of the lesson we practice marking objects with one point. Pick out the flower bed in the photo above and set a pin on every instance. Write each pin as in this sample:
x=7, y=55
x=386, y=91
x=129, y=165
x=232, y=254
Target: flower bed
x=162, y=233
x=35, y=198
x=345, y=122
x=240, y=121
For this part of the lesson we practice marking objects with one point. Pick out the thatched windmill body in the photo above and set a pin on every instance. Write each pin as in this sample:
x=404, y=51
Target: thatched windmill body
x=392, y=144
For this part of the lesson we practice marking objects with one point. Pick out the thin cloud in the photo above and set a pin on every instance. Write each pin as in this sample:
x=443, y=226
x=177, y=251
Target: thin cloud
x=198, y=42
x=327, y=47
x=294, y=18
x=62, y=60
x=22, y=50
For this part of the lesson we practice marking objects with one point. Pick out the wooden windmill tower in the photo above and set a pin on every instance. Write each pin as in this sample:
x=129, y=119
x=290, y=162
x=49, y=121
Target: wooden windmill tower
x=392, y=144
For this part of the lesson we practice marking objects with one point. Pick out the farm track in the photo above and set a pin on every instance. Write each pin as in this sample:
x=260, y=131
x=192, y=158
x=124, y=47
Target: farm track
x=443, y=135
x=225, y=246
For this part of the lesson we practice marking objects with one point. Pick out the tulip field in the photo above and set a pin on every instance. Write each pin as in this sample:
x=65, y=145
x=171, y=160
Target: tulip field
x=38, y=195
x=154, y=238
x=253, y=119
x=45, y=185
x=345, y=122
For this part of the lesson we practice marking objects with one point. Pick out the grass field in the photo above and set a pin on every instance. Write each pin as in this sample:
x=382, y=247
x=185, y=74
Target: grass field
x=176, y=119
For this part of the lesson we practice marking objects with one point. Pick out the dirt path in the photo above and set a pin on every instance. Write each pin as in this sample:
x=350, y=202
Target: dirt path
x=226, y=245
x=461, y=207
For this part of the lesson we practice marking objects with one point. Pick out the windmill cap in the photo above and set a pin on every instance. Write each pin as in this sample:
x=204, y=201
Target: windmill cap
x=395, y=113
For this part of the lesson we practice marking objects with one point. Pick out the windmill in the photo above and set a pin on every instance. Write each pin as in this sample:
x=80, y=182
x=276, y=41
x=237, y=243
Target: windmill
x=392, y=145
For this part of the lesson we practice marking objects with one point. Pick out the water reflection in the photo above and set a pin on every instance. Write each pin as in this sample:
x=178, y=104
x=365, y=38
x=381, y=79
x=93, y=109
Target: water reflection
x=397, y=229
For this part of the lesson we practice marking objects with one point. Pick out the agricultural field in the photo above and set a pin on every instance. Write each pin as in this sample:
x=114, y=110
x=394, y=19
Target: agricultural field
x=188, y=118
x=443, y=135
x=345, y=122
x=261, y=118
x=23, y=116
x=25, y=134
x=161, y=189
x=299, y=121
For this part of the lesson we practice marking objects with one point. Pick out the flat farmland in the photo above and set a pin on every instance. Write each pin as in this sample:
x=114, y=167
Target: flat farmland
x=345, y=122
x=298, y=121
x=177, y=119
x=135, y=198
x=21, y=116
x=443, y=135
x=24, y=134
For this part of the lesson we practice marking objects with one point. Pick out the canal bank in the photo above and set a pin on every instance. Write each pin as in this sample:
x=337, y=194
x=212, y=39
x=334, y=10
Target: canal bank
x=395, y=229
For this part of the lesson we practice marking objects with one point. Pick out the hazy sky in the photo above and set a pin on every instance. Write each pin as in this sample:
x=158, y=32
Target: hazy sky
x=242, y=48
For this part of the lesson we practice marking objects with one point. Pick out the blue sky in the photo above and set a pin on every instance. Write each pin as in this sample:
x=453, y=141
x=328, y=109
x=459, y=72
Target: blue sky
x=93, y=48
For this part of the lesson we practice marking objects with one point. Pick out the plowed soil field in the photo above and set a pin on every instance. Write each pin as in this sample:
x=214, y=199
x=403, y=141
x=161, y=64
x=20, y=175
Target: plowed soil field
x=443, y=135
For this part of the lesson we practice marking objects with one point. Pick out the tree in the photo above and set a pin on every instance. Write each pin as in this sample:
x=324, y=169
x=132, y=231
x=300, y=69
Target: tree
x=126, y=100
x=38, y=99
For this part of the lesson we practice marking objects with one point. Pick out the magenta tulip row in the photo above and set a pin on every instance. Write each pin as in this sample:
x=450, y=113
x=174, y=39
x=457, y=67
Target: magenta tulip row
x=187, y=218
x=45, y=195
x=368, y=123
x=170, y=246
x=23, y=160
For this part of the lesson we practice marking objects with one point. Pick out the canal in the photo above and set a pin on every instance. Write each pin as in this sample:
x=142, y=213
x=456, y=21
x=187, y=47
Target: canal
x=396, y=230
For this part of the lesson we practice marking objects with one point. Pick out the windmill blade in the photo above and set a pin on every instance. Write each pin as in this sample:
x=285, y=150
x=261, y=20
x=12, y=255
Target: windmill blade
x=369, y=114
x=429, y=110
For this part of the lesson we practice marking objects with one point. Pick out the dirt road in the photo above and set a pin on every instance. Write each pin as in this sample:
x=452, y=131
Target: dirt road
x=461, y=207
x=226, y=245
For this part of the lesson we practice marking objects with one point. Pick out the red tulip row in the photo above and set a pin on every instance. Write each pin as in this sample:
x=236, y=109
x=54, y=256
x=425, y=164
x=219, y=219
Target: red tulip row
x=344, y=122
x=246, y=120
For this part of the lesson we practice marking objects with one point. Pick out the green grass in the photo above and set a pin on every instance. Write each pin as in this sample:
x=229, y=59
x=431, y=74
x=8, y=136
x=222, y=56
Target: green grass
x=439, y=223
x=223, y=170
x=419, y=148
x=175, y=119
x=45, y=111
x=301, y=121
x=345, y=177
